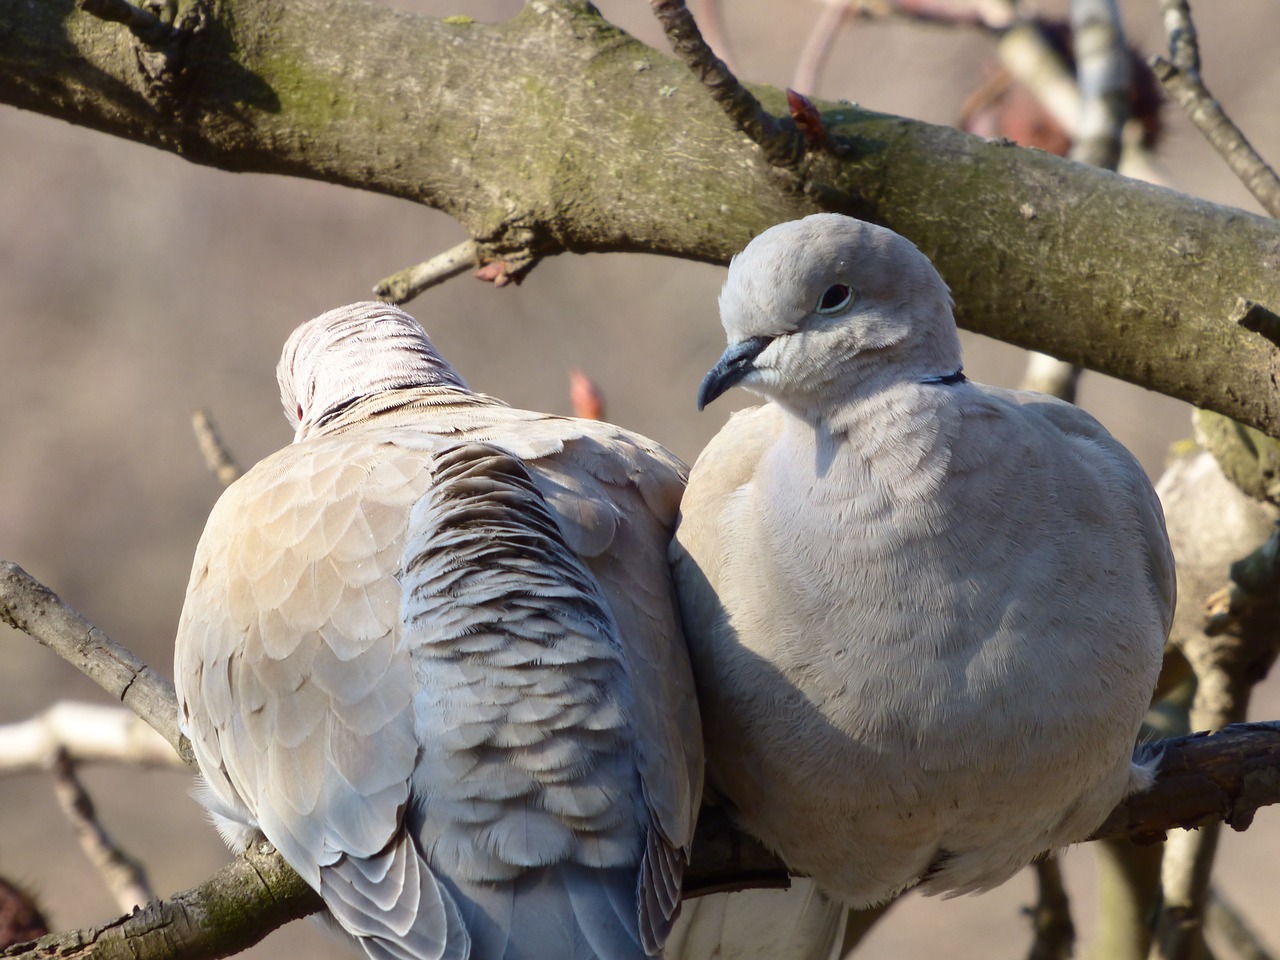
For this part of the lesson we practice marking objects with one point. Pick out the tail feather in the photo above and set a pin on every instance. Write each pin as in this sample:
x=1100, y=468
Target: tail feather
x=566, y=911
x=394, y=905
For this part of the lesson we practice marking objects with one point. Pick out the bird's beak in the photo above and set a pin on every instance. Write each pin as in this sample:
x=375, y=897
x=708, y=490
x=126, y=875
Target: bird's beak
x=734, y=364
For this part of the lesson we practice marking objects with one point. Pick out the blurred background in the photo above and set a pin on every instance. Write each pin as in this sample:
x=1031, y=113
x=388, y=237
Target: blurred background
x=135, y=287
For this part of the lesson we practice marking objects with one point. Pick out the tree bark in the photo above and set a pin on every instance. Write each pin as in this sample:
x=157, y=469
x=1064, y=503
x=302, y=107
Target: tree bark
x=557, y=132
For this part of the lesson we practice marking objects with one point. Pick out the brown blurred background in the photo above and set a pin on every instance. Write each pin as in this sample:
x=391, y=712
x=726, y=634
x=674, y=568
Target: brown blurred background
x=135, y=287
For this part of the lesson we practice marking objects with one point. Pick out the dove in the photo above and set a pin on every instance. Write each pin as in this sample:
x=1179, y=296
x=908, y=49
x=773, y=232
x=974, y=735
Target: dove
x=431, y=651
x=926, y=616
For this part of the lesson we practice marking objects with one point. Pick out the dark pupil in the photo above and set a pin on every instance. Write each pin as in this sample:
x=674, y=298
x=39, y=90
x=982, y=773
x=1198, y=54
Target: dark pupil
x=834, y=296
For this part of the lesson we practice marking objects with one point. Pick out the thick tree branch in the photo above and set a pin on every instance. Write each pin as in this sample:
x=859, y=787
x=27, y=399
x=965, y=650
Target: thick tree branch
x=231, y=911
x=581, y=139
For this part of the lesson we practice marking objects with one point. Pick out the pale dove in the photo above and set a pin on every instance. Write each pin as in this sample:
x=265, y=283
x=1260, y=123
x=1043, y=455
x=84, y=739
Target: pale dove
x=926, y=616
x=431, y=651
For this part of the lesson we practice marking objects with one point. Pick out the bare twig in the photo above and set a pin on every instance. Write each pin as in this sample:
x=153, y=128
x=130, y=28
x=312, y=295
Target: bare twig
x=818, y=45
x=992, y=14
x=779, y=140
x=713, y=30
x=1225, y=920
x=123, y=875
x=216, y=455
x=1102, y=74
x=400, y=288
x=1184, y=48
x=1055, y=934
x=1181, y=80
x=86, y=733
x=30, y=606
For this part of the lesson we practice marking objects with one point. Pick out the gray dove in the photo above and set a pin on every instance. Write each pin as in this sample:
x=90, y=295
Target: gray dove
x=431, y=651
x=926, y=615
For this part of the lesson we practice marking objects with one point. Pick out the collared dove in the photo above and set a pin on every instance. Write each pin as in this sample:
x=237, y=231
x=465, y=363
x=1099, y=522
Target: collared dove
x=431, y=651
x=926, y=616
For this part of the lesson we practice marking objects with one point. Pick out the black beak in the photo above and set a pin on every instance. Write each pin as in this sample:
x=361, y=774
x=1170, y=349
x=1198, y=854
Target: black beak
x=734, y=364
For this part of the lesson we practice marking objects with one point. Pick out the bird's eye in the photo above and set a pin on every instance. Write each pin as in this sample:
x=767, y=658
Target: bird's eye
x=837, y=297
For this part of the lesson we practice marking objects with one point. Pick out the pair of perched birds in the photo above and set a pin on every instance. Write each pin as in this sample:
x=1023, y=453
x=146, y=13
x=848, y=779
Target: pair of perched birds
x=435, y=650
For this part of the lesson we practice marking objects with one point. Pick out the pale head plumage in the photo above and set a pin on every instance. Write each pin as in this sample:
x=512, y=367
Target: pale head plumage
x=353, y=352
x=793, y=336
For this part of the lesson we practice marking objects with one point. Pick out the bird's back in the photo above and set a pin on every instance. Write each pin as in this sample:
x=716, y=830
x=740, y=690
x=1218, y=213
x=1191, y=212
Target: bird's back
x=409, y=654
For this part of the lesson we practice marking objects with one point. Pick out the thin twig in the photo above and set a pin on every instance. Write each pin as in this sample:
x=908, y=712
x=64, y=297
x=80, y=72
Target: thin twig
x=1225, y=920
x=123, y=875
x=86, y=733
x=1184, y=47
x=1181, y=79
x=30, y=606
x=216, y=455
x=713, y=30
x=818, y=45
x=779, y=140
x=1102, y=75
x=400, y=288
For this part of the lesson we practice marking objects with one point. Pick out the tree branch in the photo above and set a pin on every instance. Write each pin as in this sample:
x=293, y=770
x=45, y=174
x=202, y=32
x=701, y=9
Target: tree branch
x=217, y=457
x=1181, y=79
x=30, y=606
x=123, y=875
x=401, y=287
x=230, y=912
x=85, y=732
x=582, y=139
x=780, y=141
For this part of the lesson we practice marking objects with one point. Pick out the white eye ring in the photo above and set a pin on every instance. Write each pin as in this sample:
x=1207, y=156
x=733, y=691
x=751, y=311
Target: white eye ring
x=836, y=298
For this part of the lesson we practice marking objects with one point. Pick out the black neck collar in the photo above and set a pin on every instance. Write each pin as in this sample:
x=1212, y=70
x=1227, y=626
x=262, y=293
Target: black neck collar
x=946, y=378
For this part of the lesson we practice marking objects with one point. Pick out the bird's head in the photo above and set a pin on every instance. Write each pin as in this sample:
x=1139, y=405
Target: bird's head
x=819, y=309
x=353, y=352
